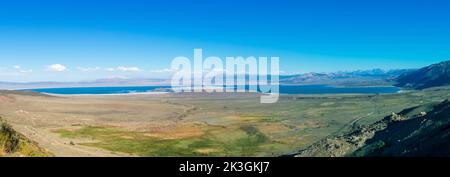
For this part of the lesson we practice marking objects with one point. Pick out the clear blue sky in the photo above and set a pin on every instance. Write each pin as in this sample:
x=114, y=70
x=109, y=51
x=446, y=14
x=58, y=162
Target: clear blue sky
x=133, y=38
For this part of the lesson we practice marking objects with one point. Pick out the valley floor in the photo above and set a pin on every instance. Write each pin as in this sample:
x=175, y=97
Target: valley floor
x=194, y=124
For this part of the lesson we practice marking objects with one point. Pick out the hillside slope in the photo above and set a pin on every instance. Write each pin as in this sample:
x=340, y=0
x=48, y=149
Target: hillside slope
x=14, y=144
x=418, y=131
x=430, y=76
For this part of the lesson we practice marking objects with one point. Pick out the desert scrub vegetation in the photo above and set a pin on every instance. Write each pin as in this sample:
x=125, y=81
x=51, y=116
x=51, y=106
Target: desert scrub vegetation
x=13, y=143
x=9, y=139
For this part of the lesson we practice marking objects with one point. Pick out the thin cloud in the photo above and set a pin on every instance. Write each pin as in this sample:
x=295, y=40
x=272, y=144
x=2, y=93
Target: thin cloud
x=166, y=70
x=56, y=68
x=18, y=68
x=125, y=69
x=25, y=71
x=83, y=69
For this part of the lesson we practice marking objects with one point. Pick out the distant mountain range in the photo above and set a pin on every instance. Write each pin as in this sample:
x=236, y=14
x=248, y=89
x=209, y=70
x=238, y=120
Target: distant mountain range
x=351, y=78
x=430, y=76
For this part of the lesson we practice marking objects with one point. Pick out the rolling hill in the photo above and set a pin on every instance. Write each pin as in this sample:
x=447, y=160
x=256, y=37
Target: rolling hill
x=14, y=144
x=418, y=131
x=430, y=76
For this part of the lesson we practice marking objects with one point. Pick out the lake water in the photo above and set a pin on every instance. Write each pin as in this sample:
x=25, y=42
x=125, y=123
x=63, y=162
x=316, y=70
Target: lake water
x=284, y=89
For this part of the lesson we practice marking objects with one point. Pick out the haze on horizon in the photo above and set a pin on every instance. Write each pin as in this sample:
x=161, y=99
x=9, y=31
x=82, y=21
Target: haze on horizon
x=54, y=40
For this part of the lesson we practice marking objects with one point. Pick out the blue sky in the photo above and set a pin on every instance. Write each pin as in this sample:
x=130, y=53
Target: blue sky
x=101, y=39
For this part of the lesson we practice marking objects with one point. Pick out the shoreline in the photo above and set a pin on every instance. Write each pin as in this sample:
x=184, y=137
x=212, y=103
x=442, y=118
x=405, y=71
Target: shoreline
x=112, y=94
x=162, y=91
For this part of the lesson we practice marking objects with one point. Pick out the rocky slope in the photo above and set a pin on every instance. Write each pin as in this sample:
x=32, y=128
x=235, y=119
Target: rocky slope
x=14, y=144
x=430, y=76
x=417, y=131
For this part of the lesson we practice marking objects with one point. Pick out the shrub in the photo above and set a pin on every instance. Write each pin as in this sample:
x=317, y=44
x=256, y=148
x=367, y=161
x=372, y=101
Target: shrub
x=9, y=139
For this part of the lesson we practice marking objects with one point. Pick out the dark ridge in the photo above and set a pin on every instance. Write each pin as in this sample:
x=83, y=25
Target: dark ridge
x=414, y=132
x=431, y=76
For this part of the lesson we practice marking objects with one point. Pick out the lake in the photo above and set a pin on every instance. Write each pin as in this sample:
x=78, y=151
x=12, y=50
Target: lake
x=284, y=89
